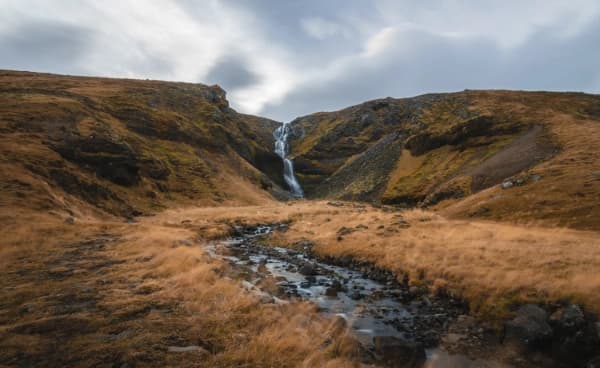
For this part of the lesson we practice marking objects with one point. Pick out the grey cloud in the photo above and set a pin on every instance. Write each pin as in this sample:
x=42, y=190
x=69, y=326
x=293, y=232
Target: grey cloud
x=440, y=64
x=231, y=73
x=446, y=46
x=45, y=46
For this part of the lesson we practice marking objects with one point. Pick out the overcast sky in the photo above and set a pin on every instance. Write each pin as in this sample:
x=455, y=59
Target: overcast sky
x=282, y=59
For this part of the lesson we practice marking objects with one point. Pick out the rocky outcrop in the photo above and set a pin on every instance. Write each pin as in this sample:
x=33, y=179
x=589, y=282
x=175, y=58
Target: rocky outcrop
x=108, y=158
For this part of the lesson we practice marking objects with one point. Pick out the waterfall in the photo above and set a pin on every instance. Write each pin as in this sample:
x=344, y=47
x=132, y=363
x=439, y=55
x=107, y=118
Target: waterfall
x=282, y=150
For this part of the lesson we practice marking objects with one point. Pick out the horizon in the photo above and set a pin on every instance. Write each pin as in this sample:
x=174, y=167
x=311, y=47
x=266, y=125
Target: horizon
x=284, y=60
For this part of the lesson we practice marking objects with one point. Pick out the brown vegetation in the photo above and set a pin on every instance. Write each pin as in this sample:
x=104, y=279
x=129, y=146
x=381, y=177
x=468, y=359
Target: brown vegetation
x=458, y=149
x=80, y=286
x=111, y=293
x=493, y=266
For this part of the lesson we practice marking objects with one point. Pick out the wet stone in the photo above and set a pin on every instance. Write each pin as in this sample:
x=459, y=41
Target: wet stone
x=398, y=353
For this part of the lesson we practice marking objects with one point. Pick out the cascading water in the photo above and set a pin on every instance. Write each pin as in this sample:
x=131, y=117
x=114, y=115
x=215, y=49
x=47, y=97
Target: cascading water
x=282, y=150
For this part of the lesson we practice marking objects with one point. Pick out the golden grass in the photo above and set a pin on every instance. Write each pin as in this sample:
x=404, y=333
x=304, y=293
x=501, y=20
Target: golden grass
x=163, y=290
x=492, y=265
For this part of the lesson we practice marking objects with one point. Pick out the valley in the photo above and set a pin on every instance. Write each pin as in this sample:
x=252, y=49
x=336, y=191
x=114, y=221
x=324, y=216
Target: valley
x=147, y=223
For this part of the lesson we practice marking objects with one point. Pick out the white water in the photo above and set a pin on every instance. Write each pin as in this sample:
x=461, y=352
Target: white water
x=282, y=149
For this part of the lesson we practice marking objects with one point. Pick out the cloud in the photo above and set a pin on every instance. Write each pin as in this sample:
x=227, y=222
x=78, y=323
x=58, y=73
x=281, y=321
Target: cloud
x=321, y=29
x=404, y=61
x=285, y=58
x=44, y=45
x=231, y=73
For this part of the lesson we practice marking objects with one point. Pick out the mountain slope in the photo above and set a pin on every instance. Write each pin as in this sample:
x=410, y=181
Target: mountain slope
x=452, y=152
x=128, y=146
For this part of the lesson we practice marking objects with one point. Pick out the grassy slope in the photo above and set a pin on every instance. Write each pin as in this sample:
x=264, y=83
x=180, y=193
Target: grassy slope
x=457, y=148
x=128, y=146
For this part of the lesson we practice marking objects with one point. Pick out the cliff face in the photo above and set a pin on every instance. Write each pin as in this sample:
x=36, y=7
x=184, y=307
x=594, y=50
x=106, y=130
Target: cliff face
x=454, y=151
x=129, y=146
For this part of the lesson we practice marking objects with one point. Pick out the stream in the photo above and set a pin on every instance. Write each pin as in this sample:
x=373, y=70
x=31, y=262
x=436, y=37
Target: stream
x=386, y=316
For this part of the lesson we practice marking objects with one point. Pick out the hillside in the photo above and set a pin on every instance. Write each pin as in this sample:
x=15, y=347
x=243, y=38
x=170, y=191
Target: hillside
x=452, y=152
x=145, y=226
x=128, y=147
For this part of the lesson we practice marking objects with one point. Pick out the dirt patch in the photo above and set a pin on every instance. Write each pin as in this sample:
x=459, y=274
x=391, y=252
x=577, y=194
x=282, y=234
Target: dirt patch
x=524, y=152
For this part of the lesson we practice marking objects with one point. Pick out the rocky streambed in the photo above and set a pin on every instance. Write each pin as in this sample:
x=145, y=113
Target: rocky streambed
x=397, y=325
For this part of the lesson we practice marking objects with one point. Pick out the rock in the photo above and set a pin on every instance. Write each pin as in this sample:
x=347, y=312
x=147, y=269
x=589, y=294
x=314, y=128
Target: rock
x=398, y=353
x=308, y=270
x=529, y=326
x=507, y=184
x=70, y=220
x=185, y=349
x=337, y=286
x=332, y=292
x=356, y=295
x=568, y=319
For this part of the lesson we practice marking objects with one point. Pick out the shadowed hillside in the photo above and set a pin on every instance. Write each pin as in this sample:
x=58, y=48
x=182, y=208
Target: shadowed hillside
x=454, y=152
x=129, y=146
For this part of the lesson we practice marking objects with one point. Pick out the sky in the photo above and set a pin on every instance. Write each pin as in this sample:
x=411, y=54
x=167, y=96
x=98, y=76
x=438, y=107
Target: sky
x=282, y=59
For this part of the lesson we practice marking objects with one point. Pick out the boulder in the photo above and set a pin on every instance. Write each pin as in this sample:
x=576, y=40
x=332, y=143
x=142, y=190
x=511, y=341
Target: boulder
x=398, y=353
x=530, y=325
